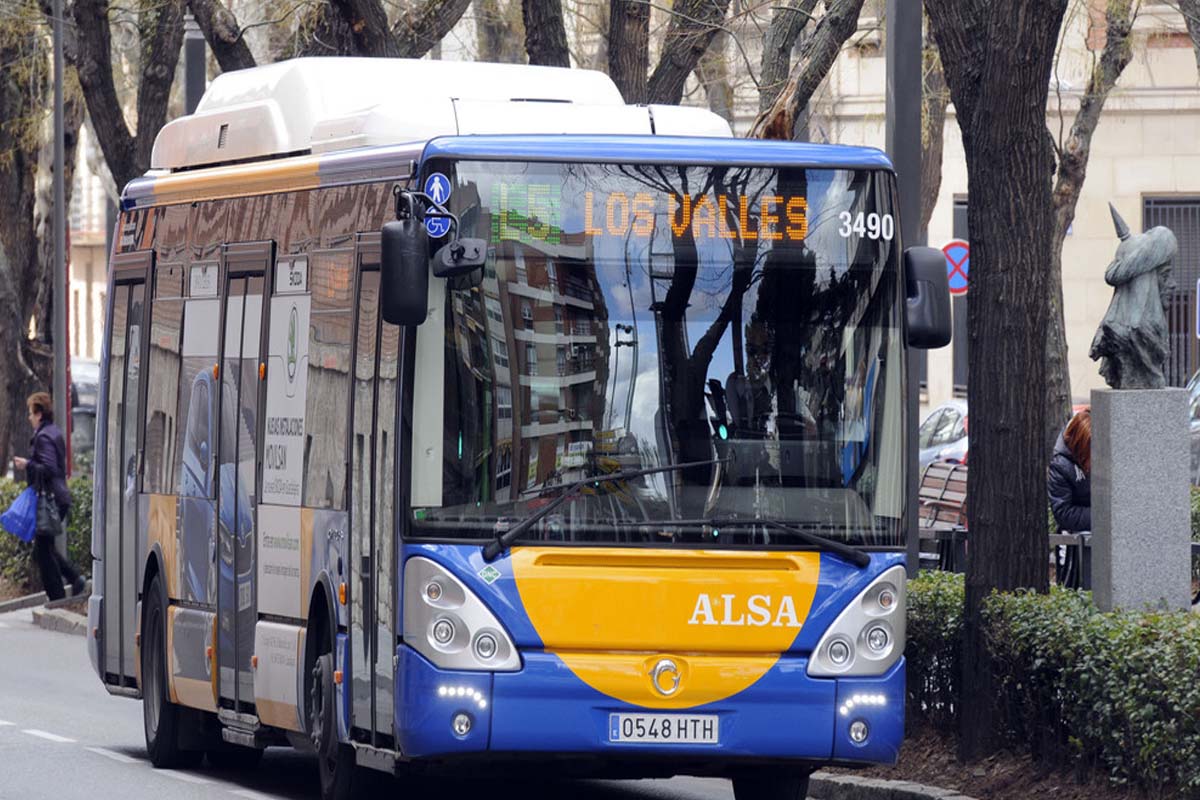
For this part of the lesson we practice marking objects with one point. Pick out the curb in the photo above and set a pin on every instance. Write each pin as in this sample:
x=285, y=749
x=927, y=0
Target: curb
x=827, y=786
x=56, y=619
x=28, y=601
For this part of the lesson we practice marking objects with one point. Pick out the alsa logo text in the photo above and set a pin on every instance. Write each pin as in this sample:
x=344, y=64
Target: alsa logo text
x=759, y=611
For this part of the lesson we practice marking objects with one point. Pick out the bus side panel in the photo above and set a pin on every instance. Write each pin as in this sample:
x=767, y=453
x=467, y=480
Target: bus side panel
x=189, y=637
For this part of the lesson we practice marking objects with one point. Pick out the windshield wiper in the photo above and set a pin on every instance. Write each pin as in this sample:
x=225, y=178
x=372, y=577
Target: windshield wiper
x=847, y=552
x=502, y=541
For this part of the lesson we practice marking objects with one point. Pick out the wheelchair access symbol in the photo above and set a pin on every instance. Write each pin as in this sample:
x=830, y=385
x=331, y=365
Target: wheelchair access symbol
x=437, y=186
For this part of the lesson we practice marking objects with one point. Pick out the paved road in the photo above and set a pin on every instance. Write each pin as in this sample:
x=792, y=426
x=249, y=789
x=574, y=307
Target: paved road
x=62, y=737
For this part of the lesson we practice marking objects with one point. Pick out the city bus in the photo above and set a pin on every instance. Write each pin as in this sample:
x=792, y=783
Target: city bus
x=461, y=413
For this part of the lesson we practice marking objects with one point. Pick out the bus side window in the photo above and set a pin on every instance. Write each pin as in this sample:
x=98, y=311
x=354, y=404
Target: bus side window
x=330, y=330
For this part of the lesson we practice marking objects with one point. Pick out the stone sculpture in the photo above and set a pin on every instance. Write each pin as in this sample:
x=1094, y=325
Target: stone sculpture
x=1131, y=343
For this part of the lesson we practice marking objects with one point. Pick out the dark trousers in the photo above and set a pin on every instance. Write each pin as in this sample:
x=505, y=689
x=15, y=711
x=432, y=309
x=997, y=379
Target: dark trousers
x=53, y=567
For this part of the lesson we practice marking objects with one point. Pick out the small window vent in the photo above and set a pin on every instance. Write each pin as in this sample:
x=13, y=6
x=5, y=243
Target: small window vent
x=222, y=135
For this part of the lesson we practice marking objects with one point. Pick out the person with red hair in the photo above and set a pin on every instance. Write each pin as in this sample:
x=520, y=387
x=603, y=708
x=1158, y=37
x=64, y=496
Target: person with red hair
x=1069, y=485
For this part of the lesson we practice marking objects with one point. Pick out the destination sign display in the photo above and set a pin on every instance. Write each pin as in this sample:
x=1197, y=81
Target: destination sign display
x=537, y=212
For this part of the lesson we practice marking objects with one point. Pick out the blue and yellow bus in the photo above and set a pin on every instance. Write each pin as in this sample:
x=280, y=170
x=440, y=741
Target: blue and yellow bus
x=460, y=413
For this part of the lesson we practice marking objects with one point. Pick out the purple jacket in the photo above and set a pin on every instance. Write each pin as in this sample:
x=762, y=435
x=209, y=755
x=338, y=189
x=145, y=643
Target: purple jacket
x=47, y=468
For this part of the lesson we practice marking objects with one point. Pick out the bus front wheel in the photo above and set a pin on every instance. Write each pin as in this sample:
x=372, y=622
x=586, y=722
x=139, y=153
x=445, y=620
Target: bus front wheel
x=162, y=718
x=335, y=761
x=770, y=786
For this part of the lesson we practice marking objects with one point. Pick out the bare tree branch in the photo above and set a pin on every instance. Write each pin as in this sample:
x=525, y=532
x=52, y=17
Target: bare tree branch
x=1191, y=16
x=104, y=107
x=223, y=34
x=629, y=48
x=935, y=97
x=419, y=30
x=1071, y=172
x=545, y=33
x=693, y=25
x=787, y=23
x=368, y=26
x=817, y=56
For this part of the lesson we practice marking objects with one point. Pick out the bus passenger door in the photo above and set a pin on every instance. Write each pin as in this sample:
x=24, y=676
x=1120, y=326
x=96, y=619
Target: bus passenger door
x=238, y=426
x=120, y=552
x=372, y=513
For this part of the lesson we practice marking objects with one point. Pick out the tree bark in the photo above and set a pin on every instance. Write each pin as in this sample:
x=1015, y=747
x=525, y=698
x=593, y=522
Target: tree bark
x=223, y=34
x=935, y=96
x=693, y=25
x=1191, y=15
x=498, y=31
x=816, y=57
x=713, y=73
x=629, y=48
x=418, y=30
x=997, y=56
x=368, y=25
x=1072, y=170
x=26, y=251
x=545, y=33
x=787, y=23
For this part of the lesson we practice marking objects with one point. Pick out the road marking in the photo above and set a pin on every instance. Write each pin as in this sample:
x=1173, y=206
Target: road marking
x=120, y=758
x=5, y=723
x=252, y=795
x=183, y=776
x=52, y=737
x=3, y=624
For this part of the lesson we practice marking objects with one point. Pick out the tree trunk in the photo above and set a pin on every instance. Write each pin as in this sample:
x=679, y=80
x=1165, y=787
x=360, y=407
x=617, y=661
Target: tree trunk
x=997, y=56
x=368, y=25
x=935, y=96
x=1072, y=170
x=1191, y=15
x=693, y=25
x=629, y=48
x=499, y=31
x=817, y=55
x=787, y=23
x=223, y=34
x=713, y=72
x=545, y=33
x=426, y=25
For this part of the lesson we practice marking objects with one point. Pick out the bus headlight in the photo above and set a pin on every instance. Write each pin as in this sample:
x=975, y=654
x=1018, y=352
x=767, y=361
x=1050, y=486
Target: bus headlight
x=867, y=638
x=445, y=622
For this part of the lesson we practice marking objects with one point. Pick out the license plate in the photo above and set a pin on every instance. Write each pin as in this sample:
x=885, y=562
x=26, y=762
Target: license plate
x=664, y=728
x=244, y=596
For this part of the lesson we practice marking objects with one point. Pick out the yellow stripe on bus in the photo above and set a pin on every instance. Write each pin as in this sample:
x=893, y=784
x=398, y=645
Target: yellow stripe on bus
x=238, y=180
x=613, y=614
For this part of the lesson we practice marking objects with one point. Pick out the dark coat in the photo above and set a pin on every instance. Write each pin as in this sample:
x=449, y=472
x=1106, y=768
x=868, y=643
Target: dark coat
x=47, y=468
x=1070, y=490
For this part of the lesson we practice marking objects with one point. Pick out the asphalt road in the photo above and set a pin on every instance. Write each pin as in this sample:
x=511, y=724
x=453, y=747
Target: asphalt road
x=62, y=737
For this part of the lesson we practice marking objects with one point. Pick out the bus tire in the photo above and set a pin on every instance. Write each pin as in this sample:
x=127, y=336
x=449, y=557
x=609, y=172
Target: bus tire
x=160, y=717
x=769, y=785
x=335, y=761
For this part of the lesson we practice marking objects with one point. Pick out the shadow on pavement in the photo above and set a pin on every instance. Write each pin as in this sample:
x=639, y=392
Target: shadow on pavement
x=291, y=775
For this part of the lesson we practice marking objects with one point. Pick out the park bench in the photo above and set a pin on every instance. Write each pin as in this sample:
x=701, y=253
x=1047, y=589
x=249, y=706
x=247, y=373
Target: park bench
x=942, y=516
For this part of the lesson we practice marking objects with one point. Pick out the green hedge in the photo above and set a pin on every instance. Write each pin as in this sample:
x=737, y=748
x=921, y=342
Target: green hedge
x=1117, y=691
x=16, y=557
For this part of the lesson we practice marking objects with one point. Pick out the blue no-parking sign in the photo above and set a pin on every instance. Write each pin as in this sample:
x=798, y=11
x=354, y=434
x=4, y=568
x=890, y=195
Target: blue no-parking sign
x=437, y=186
x=958, y=264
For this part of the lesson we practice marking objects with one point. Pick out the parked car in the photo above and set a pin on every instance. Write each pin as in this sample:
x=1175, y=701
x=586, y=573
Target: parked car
x=943, y=434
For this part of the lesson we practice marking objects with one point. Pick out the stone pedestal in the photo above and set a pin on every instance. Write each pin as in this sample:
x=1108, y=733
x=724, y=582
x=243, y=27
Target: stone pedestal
x=1141, y=520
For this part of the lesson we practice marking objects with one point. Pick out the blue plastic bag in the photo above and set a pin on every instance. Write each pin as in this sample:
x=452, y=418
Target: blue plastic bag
x=21, y=517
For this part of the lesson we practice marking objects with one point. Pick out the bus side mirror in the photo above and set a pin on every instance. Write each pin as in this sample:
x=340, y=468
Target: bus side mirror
x=404, y=272
x=928, y=293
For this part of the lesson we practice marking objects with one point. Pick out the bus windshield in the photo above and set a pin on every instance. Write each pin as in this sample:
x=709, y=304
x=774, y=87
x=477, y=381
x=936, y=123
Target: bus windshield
x=744, y=321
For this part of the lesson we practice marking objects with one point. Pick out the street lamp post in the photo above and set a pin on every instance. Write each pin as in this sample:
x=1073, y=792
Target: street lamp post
x=59, y=335
x=904, y=52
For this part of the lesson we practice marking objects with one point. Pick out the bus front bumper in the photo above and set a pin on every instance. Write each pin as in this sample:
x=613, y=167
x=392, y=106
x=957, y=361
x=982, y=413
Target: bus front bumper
x=545, y=709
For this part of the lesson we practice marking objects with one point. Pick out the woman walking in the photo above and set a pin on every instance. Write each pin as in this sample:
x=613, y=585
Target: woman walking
x=46, y=472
